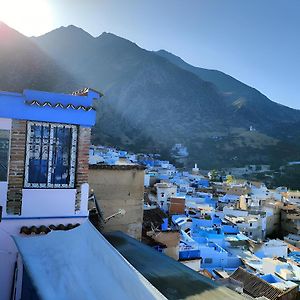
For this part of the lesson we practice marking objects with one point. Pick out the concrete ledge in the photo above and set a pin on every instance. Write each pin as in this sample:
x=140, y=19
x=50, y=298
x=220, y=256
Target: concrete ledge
x=117, y=167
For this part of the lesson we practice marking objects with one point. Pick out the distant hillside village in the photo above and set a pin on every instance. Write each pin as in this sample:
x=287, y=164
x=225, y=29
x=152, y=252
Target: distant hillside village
x=71, y=228
x=233, y=231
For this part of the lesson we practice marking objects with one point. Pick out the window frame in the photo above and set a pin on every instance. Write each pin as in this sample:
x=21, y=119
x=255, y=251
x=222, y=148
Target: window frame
x=208, y=260
x=8, y=132
x=73, y=156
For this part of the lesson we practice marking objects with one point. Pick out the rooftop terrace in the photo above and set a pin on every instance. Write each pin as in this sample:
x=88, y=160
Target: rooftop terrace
x=172, y=279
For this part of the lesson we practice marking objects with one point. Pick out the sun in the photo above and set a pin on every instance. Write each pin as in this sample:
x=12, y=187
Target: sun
x=30, y=17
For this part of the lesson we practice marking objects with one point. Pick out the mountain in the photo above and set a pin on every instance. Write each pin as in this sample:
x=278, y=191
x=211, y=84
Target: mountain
x=243, y=98
x=249, y=104
x=25, y=65
x=154, y=100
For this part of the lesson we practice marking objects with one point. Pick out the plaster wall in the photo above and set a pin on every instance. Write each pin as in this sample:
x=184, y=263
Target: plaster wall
x=5, y=123
x=235, y=212
x=10, y=227
x=3, y=194
x=117, y=189
x=48, y=202
x=279, y=249
x=147, y=180
x=164, y=193
x=192, y=264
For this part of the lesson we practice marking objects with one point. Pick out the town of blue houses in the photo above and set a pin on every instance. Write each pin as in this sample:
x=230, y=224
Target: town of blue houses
x=127, y=173
x=81, y=221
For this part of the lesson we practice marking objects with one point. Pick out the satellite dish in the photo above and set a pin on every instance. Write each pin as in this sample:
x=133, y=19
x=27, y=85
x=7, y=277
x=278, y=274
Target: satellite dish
x=122, y=211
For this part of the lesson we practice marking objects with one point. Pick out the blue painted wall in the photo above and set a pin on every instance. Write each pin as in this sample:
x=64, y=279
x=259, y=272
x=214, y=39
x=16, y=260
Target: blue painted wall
x=16, y=106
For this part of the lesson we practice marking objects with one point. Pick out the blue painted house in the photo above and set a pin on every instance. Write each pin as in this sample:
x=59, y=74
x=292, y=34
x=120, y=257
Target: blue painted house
x=44, y=152
x=44, y=148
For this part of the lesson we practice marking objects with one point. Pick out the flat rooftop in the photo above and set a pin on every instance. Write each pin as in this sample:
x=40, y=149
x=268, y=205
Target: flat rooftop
x=171, y=278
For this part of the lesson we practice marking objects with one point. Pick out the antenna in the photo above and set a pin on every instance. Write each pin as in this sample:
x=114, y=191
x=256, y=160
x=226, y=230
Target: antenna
x=121, y=212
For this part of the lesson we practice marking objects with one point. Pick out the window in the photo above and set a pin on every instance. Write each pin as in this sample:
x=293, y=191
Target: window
x=4, y=150
x=50, y=155
x=208, y=260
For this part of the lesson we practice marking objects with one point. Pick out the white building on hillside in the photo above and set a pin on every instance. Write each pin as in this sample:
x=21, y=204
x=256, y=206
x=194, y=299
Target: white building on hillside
x=165, y=191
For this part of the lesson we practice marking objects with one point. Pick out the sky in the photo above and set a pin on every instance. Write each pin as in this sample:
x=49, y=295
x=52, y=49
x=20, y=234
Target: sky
x=255, y=41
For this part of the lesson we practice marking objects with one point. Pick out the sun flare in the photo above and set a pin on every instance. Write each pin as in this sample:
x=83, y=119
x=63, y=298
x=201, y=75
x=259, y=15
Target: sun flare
x=30, y=17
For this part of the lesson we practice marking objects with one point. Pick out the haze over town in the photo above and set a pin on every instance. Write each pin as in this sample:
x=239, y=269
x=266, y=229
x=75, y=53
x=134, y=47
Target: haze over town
x=253, y=41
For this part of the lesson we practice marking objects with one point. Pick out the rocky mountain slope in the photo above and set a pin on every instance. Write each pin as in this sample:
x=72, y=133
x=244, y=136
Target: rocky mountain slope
x=245, y=101
x=154, y=100
x=24, y=65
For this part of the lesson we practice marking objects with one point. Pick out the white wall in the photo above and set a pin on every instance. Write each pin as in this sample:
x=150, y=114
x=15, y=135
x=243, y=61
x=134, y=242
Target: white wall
x=5, y=123
x=147, y=180
x=8, y=251
x=8, y=256
x=235, y=212
x=273, y=248
x=193, y=264
x=163, y=193
x=3, y=195
x=48, y=202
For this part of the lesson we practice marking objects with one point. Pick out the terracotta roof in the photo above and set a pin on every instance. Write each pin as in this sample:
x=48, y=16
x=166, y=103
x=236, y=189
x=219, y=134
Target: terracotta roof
x=28, y=230
x=177, y=206
x=206, y=273
x=292, y=247
x=255, y=286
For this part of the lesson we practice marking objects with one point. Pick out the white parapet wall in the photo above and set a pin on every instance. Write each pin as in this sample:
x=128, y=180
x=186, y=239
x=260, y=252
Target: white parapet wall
x=3, y=195
x=5, y=123
x=39, y=207
x=48, y=202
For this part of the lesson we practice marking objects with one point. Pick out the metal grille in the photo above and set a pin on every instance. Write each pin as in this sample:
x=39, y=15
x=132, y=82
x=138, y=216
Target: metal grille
x=51, y=155
x=4, y=149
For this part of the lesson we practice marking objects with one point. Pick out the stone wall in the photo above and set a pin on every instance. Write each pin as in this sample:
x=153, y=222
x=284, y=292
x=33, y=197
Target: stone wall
x=82, y=172
x=16, y=167
x=120, y=187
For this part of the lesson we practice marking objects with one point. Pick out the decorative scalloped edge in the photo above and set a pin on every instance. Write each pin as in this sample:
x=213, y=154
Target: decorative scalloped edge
x=60, y=105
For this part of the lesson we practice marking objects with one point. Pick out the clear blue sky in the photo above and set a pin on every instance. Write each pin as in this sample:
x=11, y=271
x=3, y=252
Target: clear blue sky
x=256, y=41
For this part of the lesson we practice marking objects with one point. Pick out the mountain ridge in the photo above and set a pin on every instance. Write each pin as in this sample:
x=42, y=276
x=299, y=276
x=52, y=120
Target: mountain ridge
x=151, y=103
x=24, y=65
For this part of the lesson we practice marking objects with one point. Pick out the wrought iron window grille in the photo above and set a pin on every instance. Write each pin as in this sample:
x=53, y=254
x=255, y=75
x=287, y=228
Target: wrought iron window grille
x=51, y=151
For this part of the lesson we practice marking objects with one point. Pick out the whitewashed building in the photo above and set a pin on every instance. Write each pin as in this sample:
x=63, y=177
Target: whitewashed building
x=165, y=191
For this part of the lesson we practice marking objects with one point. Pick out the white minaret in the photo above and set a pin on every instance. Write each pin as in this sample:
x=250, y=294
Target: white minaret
x=195, y=170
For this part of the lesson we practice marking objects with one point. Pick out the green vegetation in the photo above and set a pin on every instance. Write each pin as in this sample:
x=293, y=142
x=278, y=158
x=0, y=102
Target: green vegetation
x=289, y=177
